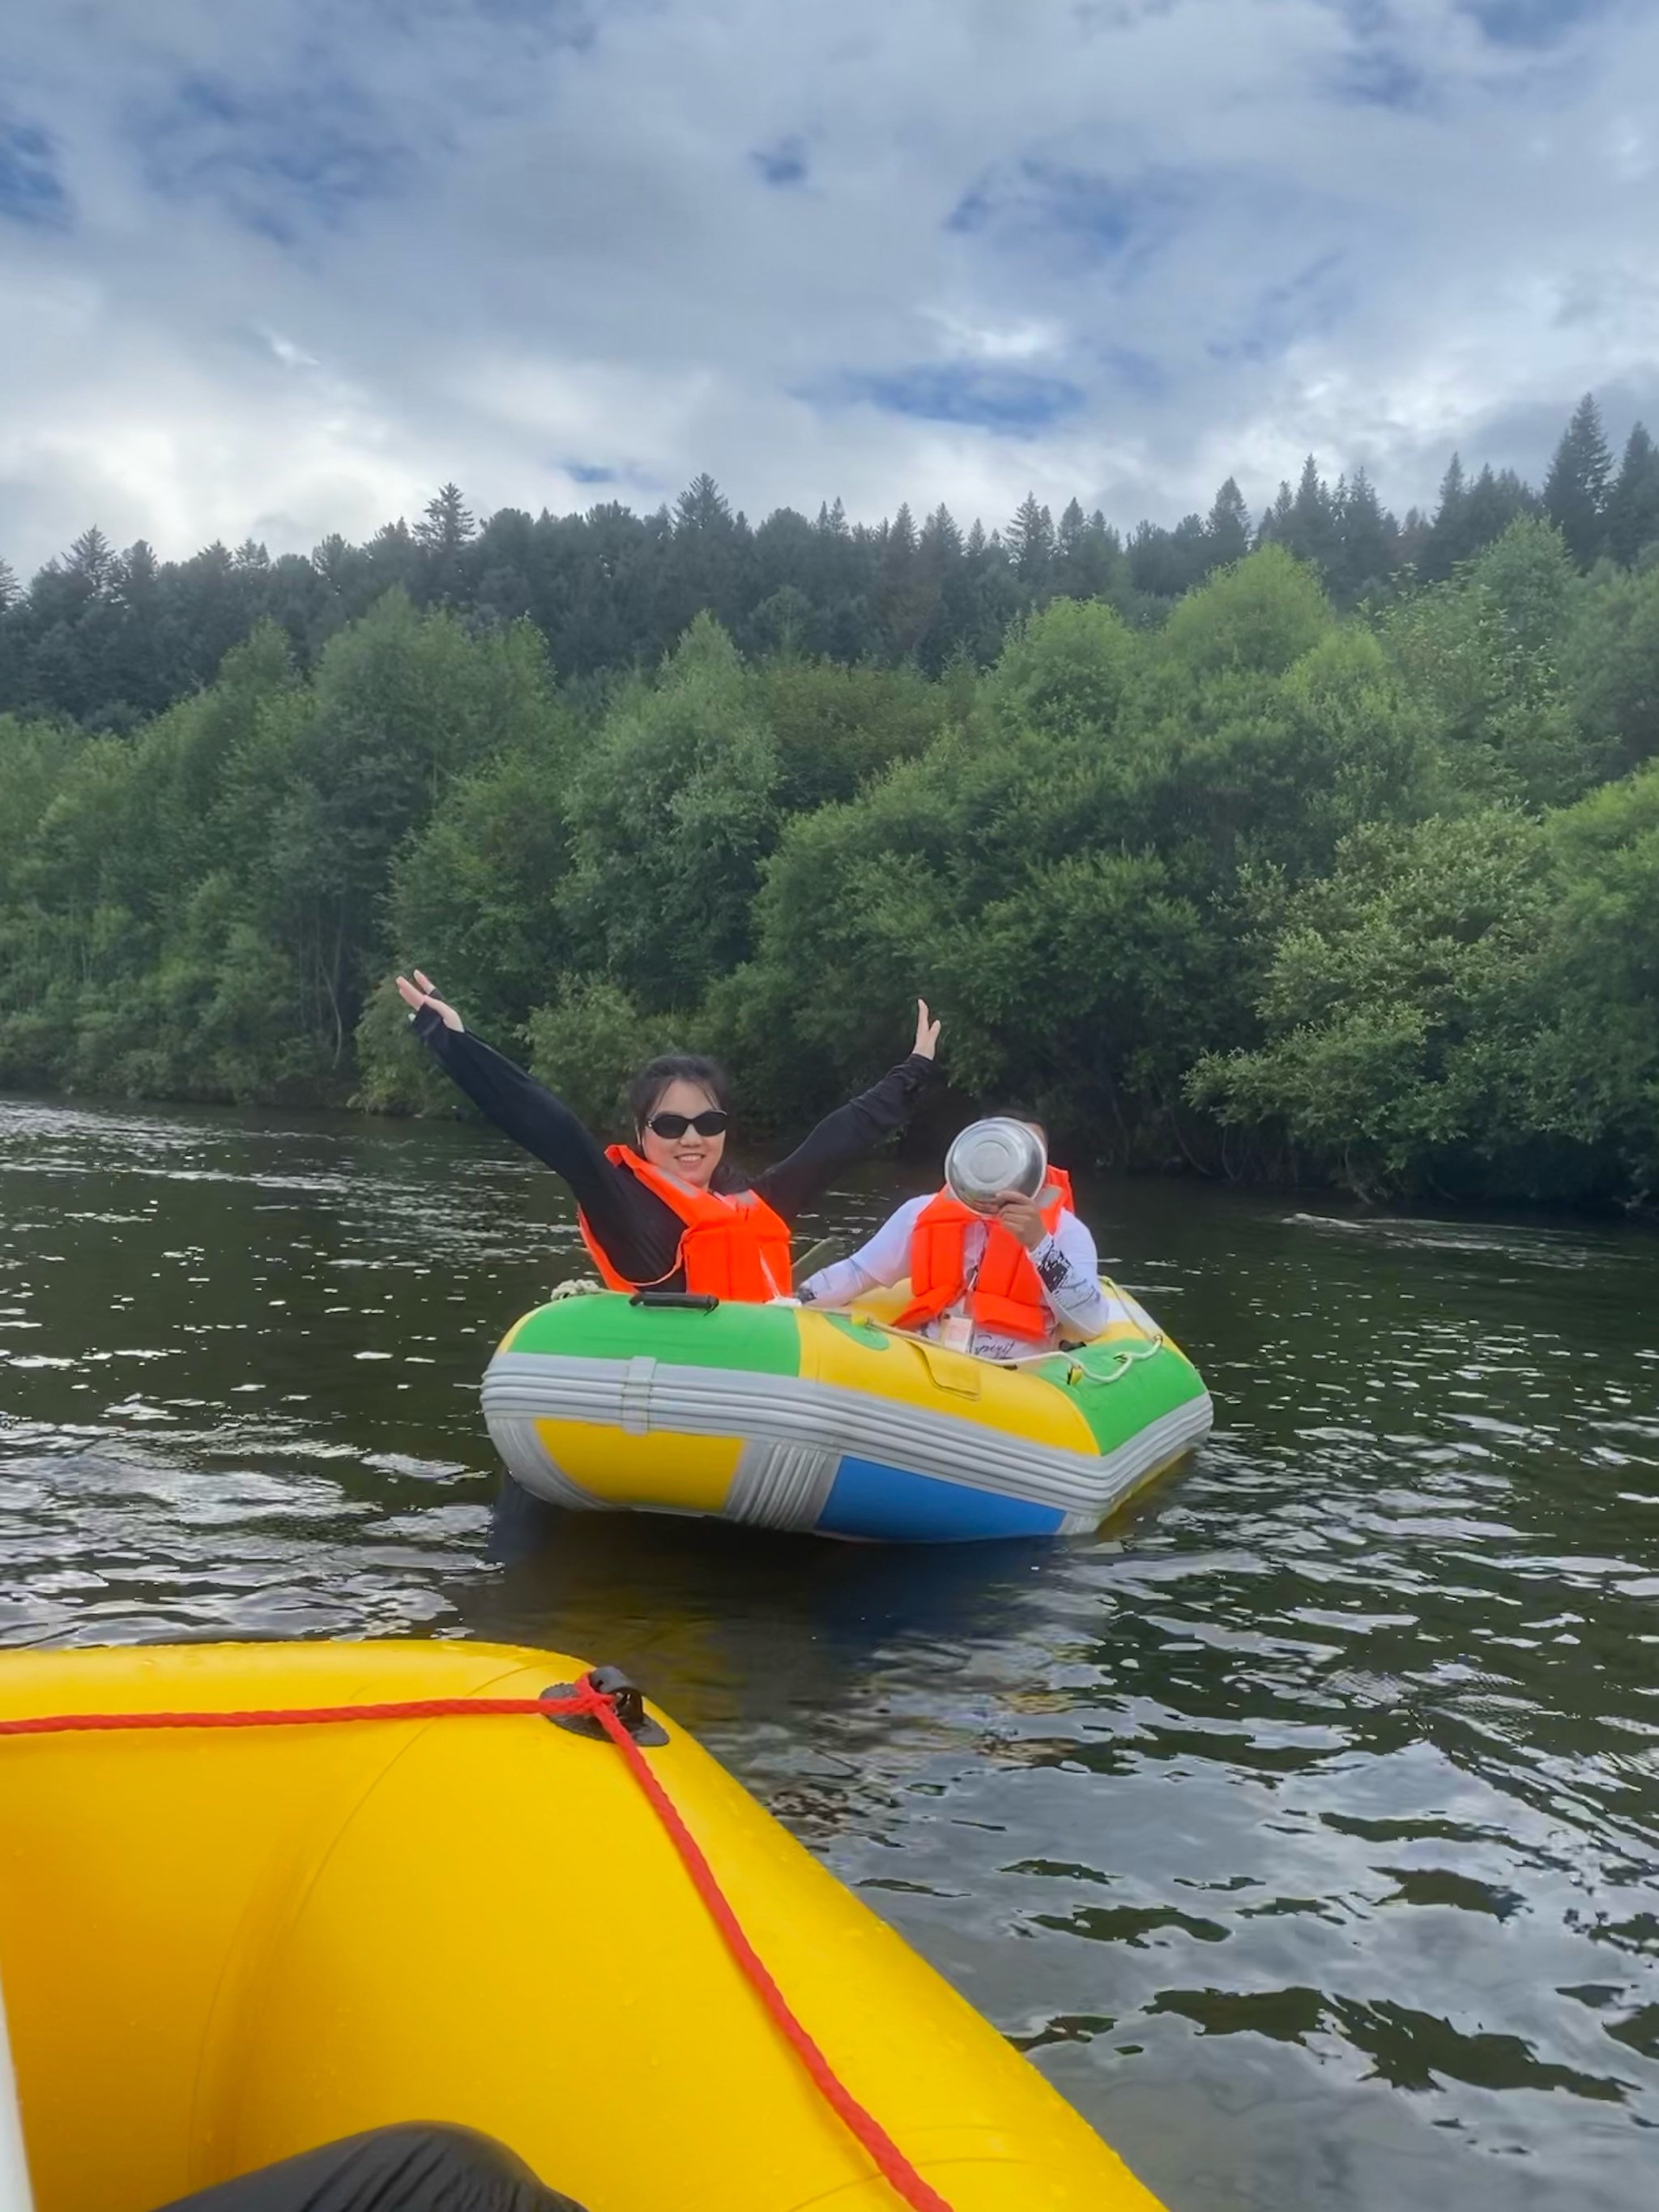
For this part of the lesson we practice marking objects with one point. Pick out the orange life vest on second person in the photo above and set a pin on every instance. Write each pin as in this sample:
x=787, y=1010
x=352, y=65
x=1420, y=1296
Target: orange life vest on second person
x=733, y=1248
x=1007, y=1295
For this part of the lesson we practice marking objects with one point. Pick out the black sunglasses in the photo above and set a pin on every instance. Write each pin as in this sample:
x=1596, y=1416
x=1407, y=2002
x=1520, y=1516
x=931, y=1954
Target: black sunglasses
x=710, y=1124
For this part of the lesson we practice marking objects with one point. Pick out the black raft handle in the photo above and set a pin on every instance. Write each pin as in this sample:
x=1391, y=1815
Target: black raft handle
x=627, y=1701
x=696, y=1301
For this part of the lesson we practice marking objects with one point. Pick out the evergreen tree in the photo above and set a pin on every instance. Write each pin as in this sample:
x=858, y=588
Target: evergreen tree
x=1227, y=526
x=447, y=525
x=1447, y=542
x=1313, y=523
x=701, y=509
x=704, y=556
x=898, y=536
x=332, y=559
x=1633, y=502
x=392, y=555
x=1413, y=538
x=785, y=549
x=139, y=575
x=8, y=585
x=1493, y=503
x=1089, y=561
x=1030, y=542
x=1164, y=563
x=941, y=579
x=907, y=597
x=137, y=671
x=1275, y=528
x=940, y=537
x=1152, y=567
x=501, y=564
x=1366, y=535
x=839, y=581
x=91, y=561
x=1575, y=488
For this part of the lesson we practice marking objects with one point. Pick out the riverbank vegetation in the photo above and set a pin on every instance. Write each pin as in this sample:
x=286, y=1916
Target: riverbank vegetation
x=1338, y=861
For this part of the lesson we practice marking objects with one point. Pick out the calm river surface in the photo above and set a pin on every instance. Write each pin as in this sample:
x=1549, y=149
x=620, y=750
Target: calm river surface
x=1305, y=1828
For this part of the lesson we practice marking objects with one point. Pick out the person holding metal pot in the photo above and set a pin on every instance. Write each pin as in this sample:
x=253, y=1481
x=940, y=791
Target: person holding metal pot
x=670, y=1212
x=998, y=1261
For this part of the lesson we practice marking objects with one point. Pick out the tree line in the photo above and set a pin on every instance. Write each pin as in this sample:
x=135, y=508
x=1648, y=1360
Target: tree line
x=1266, y=888
x=110, y=638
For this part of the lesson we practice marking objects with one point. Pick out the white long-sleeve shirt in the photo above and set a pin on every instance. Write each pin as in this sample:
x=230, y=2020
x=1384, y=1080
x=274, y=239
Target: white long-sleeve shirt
x=1067, y=1263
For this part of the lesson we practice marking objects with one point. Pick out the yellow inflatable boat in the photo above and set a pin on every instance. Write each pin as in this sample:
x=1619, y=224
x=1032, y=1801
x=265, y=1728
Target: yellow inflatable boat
x=220, y=1945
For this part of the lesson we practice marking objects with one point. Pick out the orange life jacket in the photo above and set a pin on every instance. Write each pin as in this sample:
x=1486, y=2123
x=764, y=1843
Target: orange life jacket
x=733, y=1248
x=1007, y=1295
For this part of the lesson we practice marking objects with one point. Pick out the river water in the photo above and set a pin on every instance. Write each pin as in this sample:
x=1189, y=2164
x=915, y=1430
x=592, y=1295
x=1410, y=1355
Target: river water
x=1304, y=1828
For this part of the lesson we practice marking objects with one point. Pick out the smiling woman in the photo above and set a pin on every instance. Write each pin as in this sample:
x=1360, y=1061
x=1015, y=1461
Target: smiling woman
x=669, y=1211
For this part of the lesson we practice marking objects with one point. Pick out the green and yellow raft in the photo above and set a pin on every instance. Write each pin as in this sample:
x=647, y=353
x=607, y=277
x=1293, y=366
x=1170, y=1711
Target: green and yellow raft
x=783, y=1417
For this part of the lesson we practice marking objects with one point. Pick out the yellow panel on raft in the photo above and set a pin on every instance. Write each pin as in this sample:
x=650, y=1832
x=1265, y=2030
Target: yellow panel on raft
x=916, y=1373
x=223, y=1948
x=666, y=1469
x=885, y=1305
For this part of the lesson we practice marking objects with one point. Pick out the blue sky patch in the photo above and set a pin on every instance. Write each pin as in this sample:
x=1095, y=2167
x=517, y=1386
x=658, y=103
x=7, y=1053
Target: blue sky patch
x=1137, y=372
x=1531, y=22
x=1378, y=76
x=1011, y=402
x=1035, y=203
x=783, y=164
x=551, y=22
x=31, y=190
x=283, y=161
x=1310, y=303
x=590, y=473
x=973, y=211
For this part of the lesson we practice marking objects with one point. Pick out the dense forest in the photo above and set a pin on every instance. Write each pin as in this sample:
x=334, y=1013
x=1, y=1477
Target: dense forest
x=1327, y=849
x=109, y=639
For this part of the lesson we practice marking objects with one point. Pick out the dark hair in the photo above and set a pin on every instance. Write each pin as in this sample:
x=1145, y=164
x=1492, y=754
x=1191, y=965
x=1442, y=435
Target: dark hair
x=655, y=1078
x=1022, y=1110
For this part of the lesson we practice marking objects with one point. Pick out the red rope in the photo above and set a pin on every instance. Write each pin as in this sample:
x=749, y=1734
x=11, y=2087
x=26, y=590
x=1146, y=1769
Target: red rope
x=412, y=1708
x=899, y=2174
x=901, y=2177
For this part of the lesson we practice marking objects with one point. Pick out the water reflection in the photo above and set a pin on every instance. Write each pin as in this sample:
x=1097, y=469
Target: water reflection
x=1305, y=1827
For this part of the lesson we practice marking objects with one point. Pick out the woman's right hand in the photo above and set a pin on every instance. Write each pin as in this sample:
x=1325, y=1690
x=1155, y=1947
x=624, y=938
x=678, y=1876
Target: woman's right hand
x=926, y=1043
x=421, y=994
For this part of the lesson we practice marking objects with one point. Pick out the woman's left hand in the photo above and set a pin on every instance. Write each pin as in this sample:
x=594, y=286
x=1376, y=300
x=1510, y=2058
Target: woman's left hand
x=926, y=1041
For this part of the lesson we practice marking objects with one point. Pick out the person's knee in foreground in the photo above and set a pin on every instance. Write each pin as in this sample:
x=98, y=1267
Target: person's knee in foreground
x=1007, y=1284
x=417, y=2167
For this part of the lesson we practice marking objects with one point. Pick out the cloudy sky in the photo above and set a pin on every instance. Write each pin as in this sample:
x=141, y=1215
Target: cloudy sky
x=280, y=269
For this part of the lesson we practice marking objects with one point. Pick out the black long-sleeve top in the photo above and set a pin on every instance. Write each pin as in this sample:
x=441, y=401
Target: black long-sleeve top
x=641, y=1234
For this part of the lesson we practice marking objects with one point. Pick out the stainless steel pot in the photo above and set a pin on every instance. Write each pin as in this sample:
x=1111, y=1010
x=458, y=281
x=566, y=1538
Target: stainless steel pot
x=991, y=1157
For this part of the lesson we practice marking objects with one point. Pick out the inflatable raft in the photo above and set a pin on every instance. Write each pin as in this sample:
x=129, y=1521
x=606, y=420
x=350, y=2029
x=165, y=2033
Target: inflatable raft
x=220, y=1945
x=785, y=1417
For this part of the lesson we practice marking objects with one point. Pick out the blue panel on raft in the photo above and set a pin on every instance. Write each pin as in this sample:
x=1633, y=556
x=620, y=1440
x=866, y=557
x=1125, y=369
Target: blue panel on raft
x=889, y=1503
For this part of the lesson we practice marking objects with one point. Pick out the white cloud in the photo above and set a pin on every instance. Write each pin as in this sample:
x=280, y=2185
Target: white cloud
x=288, y=268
